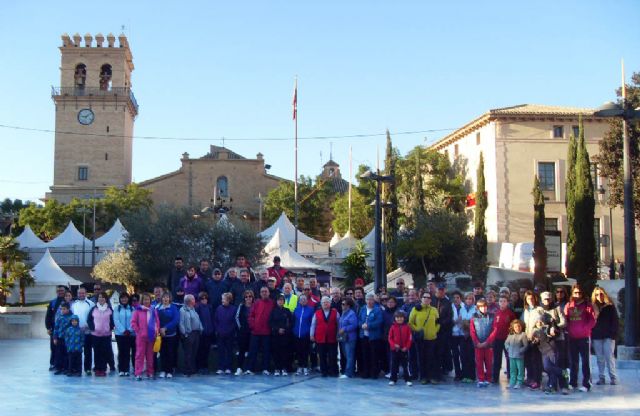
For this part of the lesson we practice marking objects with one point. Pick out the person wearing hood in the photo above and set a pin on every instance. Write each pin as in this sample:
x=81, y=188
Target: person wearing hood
x=74, y=341
x=62, y=323
x=146, y=324
x=100, y=322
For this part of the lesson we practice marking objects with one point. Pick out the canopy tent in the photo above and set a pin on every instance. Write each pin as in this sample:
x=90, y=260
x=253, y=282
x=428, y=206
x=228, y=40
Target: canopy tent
x=70, y=237
x=28, y=239
x=334, y=240
x=113, y=238
x=345, y=245
x=370, y=239
x=398, y=273
x=289, y=259
x=306, y=244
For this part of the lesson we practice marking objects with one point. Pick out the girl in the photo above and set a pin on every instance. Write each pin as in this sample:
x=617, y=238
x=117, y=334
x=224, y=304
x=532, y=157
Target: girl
x=532, y=357
x=146, y=325
x=225, y=325
x=516, y=344
x=280, y=321
x=168, y=318
x=580, y=320
x=467, y=352
x=100, y=322
x=243, y=330
x=604, y=334
x=125, y=337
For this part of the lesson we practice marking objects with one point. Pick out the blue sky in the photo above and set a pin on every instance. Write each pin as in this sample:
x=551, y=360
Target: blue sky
x=211, y=69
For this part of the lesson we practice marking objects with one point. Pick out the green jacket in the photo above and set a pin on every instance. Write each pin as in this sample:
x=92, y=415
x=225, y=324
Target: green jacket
x=425, y=319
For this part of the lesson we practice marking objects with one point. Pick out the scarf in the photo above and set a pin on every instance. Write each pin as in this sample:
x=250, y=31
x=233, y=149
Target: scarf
x=151, y=322
x=102, y=308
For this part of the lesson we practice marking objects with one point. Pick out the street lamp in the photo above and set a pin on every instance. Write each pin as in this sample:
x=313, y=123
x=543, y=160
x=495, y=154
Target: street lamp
x=379, y=273
x=612, y=269
x=627, y=114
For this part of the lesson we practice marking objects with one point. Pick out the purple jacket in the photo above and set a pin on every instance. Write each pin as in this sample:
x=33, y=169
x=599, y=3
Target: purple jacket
x=205, y=312
x=224, y=320
x=191, y=287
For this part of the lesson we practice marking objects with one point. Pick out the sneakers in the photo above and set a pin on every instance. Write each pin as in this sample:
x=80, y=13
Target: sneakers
x=58, y=372
x=614, y=382
x=52, y=367
x=275, y=373
x=219, y=372
x=564, y=391
x=126, y=374
x=121, y=374
x=601, y=382
x=284, y=373
x=266, y=373
x=343, y=376
x=305, y=371
x=87, y=373
x=299, y=372
x=239, y=371
x=162, y=374
x=548, y=390
x=169, y=375
x=388, y=375
x=227, y=372
x=480, y=384
x=534, y=386
x=248, y=373
x=408, y=383
x=435, y=382
x=392, y=383
x=138, y=378
x=584, y=389
x=511, y=386
x=517, y=386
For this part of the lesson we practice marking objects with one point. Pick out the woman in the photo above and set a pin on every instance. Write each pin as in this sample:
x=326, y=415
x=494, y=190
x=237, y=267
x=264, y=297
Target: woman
x=205, y=313
x=532, y=357
x=243, y=333
x=191, y=329
x=324, y=332
x=580, y=320
x=348, y=333
x=125, y=337
x=168, y=318
x=100, y=322
x=145, y=324
x=604, y=334
x=225, y=326
x=492, y=302
x=280, y=322
x=302, y=316
x=423, y=321
x=561, y=299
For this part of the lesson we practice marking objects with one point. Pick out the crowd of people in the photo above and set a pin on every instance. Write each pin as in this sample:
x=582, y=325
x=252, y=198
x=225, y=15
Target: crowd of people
x=266, y=321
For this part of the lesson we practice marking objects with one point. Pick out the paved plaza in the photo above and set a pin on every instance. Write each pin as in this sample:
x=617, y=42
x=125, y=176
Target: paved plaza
x=27, y=388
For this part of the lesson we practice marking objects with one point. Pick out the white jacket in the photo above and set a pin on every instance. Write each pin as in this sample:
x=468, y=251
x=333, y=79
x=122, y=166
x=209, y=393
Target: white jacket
x=82, y=308
x=466, y=313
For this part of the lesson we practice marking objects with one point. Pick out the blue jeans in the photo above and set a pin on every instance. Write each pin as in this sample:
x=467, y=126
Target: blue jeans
x=259, y=343
x=550, y=363
x=349, y=348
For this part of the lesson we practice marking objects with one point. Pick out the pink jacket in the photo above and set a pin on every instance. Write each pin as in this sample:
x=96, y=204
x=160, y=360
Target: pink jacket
x=140, y=323
x=580, y=319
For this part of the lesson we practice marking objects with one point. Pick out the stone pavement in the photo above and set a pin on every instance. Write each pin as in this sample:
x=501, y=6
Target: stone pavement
x=27, y=388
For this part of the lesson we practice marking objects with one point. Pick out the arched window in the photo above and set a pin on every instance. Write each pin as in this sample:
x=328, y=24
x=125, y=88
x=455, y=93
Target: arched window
x=222, y=187
x=80, y=76
x=105, y=77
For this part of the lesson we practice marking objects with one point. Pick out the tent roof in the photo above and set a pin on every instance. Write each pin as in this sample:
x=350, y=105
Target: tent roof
x=288, y=230
x=28, y=239
x=345, y=245
x=370, y=239
x=47, y=272
x=334, y=240
x=69, y=237
x=114, y=237
x=288, y=257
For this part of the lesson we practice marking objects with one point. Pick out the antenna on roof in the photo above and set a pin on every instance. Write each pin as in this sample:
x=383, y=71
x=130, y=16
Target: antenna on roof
x=222, y=141
x=330, y=150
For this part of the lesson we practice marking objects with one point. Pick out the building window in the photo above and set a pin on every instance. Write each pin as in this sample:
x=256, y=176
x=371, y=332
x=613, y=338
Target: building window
x=594, y=177
x=105, y=77
x=455, y=150
x=222, y=187
x=551, y=224
x=83, y=173
x=547, y=176
x=575, y=131
x=558, y=132
x=478, y=138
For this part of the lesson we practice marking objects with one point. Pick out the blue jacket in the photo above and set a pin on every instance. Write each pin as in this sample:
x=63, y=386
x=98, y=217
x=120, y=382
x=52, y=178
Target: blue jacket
x=215, y=289
x=349, y=322
x=122, y=320
x=374, y=321
x=169, y=318
x=62, y=323
x=225, y=320
x=302, y=317
x=74, y=338
x=205, y=312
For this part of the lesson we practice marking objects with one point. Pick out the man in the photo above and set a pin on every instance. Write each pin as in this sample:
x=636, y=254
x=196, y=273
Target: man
x=313, y=285
x=176, y=273
x=445, y=311
x=273, y=291
x=260, y=332
x=97, y=289
x=431, y=288
x=478, y=291
x=313, y=300
x=234, y=286
x=215, y=287
x=336, y=299
x=277, y=271
x=243, y=263
x=290, y=299
x=398, y=292
x=412, y=302
x=191, y=284
x=358, y=294
x=49, y=322
x=81, y=307
x=245, y=282
x=262, y=276
x=299, y=286
x=205, y=271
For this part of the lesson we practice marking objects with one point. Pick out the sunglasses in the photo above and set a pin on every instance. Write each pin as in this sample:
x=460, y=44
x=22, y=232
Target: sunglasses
x=426, y=297
x=248, y=297
x=399, y=283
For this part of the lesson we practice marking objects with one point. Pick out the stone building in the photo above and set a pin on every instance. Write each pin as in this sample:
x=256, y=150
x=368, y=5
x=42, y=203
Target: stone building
x=221, y=179
x=517, y=143
x=95, y=110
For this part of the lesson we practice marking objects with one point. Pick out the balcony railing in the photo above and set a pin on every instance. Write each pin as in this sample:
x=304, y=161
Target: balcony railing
x=95, y=92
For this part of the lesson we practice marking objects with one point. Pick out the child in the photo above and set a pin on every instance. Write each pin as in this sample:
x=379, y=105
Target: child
x=59, y=330
x=503, y=318
x=399, y=345
x=225, y=325
x=544, y=335
x=483, y=332
x=74, y=341
x=146, y=324
x=515, y=346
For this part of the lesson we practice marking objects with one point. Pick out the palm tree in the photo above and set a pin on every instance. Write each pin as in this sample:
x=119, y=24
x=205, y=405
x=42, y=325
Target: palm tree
x=21, y=272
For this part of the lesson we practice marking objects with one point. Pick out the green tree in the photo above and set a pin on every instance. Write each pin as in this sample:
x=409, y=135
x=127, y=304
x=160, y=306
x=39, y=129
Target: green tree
x=10, y=255
x=21, y=273
x=570, y=204
x=361, y=214
x=479, y=261
x=610, y=155
x=118, y=268
x=389, y=195
x=539, y=244
x=355, y=265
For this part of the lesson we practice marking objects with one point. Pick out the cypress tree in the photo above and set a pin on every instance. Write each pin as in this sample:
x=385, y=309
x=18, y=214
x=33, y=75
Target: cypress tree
x=479, y=261
x=389, y=194
x=539, y=247
x=570, y=207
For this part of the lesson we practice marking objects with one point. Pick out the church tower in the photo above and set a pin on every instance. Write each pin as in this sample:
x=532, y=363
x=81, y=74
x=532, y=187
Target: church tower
x=95, y=112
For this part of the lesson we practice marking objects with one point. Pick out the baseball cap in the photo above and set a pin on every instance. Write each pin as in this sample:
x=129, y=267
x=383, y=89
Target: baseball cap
x=545, y=295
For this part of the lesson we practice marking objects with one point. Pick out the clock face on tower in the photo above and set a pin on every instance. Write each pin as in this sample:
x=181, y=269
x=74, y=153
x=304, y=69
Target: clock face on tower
x=86, y=116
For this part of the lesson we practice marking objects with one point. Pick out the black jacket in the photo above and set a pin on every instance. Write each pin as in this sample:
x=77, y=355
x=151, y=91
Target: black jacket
x=242, y=320
x=50, y=317
x=443, y=305
x=606, y=324
x=280, y=318
x=215, y=289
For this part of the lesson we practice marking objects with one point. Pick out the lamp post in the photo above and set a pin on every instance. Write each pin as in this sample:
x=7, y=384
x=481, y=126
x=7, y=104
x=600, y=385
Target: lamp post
x=612, y=269
x=630, y=262
x=379, y=273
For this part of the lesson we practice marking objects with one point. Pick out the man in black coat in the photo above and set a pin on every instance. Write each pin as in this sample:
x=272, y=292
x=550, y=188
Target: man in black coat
x=443, y=351
x=50, y=321
x=176, y=273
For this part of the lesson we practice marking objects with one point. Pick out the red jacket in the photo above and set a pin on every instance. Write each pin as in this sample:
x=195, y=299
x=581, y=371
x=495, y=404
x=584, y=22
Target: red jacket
x=259, y=317
x=278, y=274
x=580, y=319
x=501, y=321
x=326, y=329
x=401, y=335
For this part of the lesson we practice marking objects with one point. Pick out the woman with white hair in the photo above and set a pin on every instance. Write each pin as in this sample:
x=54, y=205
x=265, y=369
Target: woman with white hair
x=324, y=332
x=190, y=328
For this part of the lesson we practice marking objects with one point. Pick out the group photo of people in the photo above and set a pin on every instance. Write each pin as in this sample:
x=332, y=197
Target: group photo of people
x=243, y=322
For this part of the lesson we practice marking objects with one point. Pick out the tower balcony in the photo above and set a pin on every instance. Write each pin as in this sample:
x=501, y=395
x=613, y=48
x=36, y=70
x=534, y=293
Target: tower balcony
x=88, y=92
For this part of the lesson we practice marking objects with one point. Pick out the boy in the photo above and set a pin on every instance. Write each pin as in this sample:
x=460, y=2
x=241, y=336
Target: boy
x=59, y=330
x=399, y=344
x=74, y=341
x=483, y=332
x=503, y=318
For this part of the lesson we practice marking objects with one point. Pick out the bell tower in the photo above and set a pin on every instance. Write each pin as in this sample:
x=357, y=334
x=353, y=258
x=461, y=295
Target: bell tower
x=95, y=112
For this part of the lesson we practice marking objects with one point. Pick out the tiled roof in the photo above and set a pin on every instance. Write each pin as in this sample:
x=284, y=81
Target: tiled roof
x=541, y=110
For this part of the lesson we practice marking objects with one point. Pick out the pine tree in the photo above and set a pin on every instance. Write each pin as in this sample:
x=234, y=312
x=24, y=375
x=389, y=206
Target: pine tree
x=389, y=195
x=479, y=261
x=539, y=247
x=571, y=207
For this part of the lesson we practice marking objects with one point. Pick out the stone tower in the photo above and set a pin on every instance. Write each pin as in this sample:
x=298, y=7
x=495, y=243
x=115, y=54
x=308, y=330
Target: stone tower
x=95, y=113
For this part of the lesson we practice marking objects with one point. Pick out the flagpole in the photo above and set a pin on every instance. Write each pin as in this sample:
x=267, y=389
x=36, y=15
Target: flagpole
x=295, y=169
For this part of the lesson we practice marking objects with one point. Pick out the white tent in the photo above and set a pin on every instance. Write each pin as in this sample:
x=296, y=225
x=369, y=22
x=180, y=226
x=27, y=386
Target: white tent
x=28, y=239
x=70, y=237
x=288, y=257
x=306, y=244
x=370, y=239
x=345, y=245
x=334, y=240
x=113, y=238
